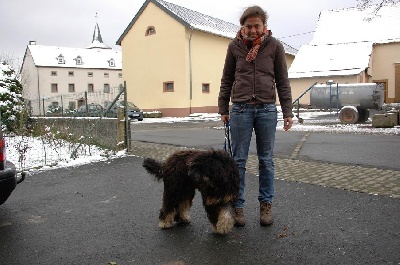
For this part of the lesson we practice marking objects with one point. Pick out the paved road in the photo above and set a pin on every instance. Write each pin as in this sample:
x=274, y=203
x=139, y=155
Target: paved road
x=107, y=212
x=380, y=151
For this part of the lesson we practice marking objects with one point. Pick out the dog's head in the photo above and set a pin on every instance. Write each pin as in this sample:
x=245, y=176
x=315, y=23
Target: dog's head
x=216, y=175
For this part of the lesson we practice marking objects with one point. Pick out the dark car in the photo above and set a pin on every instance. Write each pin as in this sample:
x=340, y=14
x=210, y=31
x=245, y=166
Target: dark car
x=133, y=111
x=93, y=110
x=8, y=173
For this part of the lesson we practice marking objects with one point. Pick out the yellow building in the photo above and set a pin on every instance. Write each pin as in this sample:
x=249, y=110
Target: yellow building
x=351, y=46
x=173, y=58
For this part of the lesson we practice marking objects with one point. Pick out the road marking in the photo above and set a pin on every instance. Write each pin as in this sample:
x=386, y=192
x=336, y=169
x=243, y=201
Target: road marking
x=296, y=151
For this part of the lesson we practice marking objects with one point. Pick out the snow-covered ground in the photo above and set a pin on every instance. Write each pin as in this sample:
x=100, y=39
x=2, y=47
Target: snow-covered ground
x=313, y=121
x=60, y=155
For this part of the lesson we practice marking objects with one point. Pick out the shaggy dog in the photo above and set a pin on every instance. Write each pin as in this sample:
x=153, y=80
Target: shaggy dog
x=212, y=172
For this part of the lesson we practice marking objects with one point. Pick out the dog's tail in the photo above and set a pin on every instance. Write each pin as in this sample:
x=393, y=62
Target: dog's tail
x=153, y=167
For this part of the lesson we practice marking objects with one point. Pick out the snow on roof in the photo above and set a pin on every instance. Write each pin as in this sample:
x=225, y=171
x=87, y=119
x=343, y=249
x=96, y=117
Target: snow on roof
x=198, y=21
x=355, y=25
x=343, y=39
x=98, y=44
x=91, y=58
x=331, y=60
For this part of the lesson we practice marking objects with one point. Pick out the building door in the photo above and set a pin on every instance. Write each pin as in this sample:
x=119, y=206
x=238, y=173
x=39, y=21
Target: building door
x=397, y=83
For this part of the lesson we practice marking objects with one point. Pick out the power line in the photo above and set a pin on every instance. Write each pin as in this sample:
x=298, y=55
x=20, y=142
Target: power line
x=295, y=35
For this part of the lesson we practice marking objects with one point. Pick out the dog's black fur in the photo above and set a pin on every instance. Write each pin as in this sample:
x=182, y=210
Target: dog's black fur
x=212, y=172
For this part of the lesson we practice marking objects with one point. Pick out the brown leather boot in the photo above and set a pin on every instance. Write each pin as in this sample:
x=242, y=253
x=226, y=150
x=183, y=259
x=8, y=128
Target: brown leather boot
x=238, y=216
x=266, y=215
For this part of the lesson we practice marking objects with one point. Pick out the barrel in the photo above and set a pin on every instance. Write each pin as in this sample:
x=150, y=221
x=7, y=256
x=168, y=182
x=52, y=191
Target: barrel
x=362, y=95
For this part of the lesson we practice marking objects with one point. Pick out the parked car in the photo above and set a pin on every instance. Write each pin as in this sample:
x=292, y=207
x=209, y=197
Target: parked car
x=94, y=110
x=133, y=111
x=8, y=175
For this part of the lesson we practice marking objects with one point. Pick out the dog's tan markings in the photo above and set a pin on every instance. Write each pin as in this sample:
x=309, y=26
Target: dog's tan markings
x=208, y=182
x=225, y=222
x=184, y=209
x=212, y=201
x=228, y=198
x=168, y=221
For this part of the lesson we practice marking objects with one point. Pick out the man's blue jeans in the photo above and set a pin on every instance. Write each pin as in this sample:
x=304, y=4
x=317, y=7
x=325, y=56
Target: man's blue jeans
x=263, y=119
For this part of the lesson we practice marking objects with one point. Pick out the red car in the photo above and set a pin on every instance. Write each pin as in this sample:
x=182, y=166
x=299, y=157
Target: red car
x=8, y=174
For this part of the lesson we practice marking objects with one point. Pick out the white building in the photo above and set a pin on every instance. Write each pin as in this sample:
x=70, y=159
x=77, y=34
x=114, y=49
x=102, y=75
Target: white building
x=68, y=77
x=352, y=45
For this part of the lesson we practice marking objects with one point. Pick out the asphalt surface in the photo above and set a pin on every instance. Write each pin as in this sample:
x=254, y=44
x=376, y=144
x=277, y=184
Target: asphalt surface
x=107, y=212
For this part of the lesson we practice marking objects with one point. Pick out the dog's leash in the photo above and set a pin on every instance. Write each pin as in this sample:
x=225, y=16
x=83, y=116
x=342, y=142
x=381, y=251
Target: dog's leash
x=227, y=139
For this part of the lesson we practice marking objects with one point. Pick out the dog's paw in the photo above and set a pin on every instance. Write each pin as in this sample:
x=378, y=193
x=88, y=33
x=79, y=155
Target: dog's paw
x=224, y=224
x=165, y=224
x=185, y=219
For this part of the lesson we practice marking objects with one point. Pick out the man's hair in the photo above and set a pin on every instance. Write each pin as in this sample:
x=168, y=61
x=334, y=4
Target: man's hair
x=254, y=11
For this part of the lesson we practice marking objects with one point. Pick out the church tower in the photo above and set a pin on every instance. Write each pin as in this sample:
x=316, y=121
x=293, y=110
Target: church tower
x=97, y=41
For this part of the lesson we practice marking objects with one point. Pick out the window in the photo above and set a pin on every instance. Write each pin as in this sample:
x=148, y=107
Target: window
x=60, y=59
x=205, y=88
x=53, y=73
x=71, y=88
x=70, y=73
x=150, y=31
x=90, y=88
x=169, y=86
x=121, y=87
x=119, y=75
x=78, y=60
x=90, y=74
x=54, y=88
x=71, y=105
x=111, y=62
x=106, y=75
x=106, y=88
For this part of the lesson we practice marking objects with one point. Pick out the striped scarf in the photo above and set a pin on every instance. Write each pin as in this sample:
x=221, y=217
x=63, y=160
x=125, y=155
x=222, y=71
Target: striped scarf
x=255, y=42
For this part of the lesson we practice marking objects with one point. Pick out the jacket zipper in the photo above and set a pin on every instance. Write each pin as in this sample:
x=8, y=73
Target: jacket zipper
x=254, y=79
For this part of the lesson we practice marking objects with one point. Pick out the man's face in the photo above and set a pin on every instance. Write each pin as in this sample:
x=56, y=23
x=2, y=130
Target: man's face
x=253, y=27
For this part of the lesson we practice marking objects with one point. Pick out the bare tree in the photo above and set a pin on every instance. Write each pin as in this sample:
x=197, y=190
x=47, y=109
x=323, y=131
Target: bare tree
x=362, y=4
x=12, y=61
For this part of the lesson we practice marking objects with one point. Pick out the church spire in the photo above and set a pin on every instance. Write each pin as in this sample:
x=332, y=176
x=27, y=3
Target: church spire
x=97, y=41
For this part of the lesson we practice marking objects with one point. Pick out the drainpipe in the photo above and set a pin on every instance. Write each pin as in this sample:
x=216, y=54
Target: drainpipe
x=38, y=90
x=190, y=71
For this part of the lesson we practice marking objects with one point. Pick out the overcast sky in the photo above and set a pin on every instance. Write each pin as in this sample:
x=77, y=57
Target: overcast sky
x=70, y=23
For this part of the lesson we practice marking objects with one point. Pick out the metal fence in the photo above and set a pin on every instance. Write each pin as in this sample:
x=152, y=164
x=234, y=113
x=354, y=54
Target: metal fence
x=73, y=103
x=78, y=130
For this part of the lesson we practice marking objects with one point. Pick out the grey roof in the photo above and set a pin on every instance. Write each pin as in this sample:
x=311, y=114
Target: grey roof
x=195, y=20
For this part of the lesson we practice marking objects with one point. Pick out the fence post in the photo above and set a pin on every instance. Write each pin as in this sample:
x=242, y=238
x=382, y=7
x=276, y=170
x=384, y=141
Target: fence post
x=127, y=138
x=44, y=111
x=120, y=129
